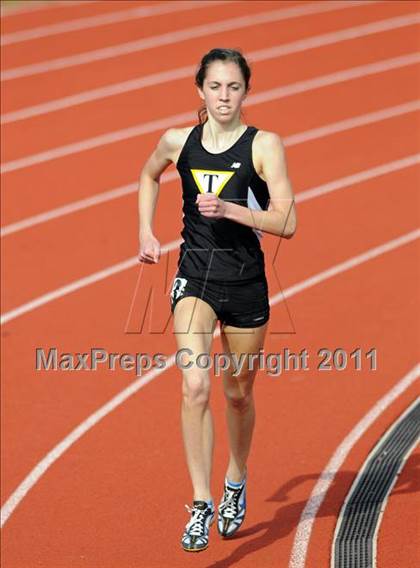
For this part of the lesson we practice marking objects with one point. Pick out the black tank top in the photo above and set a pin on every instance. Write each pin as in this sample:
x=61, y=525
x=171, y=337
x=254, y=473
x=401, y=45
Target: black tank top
x=220, y=249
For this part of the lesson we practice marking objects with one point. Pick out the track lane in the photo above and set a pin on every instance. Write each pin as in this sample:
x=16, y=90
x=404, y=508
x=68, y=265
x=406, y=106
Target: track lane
x=134, y=13
x=63, y=11
x=132, y=108
x=33, y=90
x=130, y=188
x=126, y=190
x=114, y=89
x=49, y=174
x=113, y=35
x=279, y=92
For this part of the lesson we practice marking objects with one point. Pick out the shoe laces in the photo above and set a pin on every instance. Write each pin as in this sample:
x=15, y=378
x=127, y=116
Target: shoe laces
x=196, y=525
x=230, y=505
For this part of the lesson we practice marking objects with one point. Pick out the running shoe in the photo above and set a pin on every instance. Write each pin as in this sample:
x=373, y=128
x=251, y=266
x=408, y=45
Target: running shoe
x=232, y=508
x=196, y=533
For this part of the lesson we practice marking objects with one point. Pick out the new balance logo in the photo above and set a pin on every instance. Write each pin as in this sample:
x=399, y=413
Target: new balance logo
x=236, y=165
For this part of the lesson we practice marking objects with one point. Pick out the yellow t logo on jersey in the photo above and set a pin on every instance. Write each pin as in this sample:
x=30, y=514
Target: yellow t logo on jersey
x=211, y=181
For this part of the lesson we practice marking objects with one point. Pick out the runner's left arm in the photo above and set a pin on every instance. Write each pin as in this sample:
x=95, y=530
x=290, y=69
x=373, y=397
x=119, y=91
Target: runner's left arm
x=280, y=218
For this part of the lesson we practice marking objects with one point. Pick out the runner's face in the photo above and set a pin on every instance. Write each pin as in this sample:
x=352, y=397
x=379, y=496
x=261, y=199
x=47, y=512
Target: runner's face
x=223, y=90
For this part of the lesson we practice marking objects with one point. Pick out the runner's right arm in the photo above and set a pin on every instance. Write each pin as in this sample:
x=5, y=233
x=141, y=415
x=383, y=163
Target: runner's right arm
x=160, y=159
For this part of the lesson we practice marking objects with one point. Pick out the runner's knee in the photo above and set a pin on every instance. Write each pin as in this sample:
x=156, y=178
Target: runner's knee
x=196, y=388
x=237, y=399
x=238, y=390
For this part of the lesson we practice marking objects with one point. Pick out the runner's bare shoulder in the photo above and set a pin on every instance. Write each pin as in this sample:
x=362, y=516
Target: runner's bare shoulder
x=173, y=141
x=265, y=144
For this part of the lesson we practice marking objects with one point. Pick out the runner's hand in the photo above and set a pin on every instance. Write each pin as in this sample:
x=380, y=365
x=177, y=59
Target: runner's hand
x=210, y=206
x=149, y=250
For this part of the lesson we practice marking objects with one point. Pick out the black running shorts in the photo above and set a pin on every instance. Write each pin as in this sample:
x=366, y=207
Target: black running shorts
x=242, y=304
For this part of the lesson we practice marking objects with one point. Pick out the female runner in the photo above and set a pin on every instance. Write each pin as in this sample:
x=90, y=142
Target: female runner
x=235, y=186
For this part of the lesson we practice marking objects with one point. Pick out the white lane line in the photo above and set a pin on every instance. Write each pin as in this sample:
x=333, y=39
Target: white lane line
x=333, y=78
x=351, y=263
x=309, y=513
x=129, y=263
x=179, y=119
x=289, y=141
x=355, y=121
x=106, y=19
x=35, y=5
x=358, y=177
x=187, y=72
x=38, y=471
x=103, y=139
x=79, y=205
x=177, y=36
x=78, y=284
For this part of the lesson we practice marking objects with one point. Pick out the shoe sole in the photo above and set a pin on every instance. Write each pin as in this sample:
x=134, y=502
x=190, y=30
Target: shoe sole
x=195, y=549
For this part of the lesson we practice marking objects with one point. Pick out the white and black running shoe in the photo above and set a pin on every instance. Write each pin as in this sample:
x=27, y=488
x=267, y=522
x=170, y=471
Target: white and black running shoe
x=196, y=533
x=232, y=508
